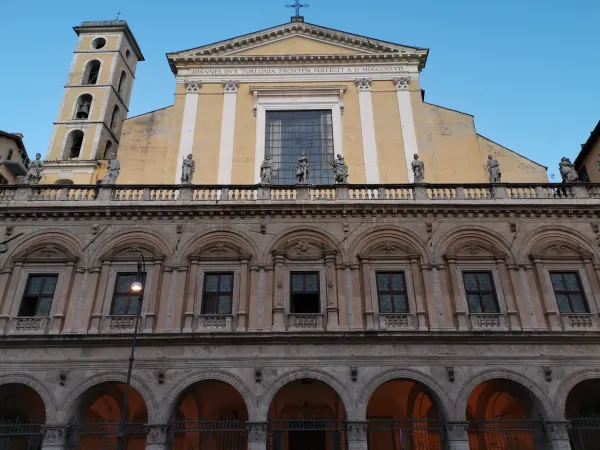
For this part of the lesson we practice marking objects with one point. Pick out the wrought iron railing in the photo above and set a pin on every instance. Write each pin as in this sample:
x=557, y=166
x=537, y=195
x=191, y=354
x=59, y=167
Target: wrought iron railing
x=584, y=433
x=20, y=435
x=406, y=434
x=103, y=436
x=506, y=435
x=318, y=193
x=228, y=434
x=306, y=433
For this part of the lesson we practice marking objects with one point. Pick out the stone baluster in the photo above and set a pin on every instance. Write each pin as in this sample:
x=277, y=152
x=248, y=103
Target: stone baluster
x=557, y=435
x=55, y=437
x=357, y=435
x=156, y=437
x=456, y=433
x=257, y=435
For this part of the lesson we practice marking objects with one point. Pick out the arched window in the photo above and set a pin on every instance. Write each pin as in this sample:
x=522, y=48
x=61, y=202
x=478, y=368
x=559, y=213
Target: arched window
x=108, y=151
x=114, y=120
x=91, y=72
x=84, y=106
x=74, y=143
x=122, y=83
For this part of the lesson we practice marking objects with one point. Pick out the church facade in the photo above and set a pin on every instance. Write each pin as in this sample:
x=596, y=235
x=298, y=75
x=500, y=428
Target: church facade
x=425, y=289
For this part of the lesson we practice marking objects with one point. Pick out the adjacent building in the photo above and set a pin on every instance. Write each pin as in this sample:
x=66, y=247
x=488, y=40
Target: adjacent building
x=287, y=311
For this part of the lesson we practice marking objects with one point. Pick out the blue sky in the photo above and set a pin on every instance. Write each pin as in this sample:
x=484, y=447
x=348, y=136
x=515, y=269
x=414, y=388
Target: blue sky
x=528, y=70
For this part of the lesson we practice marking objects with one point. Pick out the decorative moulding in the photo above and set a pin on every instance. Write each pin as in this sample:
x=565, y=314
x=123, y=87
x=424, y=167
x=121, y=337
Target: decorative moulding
x=298, y=91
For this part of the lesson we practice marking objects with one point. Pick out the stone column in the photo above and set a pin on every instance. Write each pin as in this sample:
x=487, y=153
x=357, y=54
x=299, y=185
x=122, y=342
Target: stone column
x=458, y=438
x=369, y=312
x=156, y=437
x=415, y=269
x=278, y=300
x=507, y=287
x=547, y=295
x=55, y=437
x=257, y=435
x=357, y=435
x=558, y=437
x=461, y=309
x=333, y=320
x=188, y=315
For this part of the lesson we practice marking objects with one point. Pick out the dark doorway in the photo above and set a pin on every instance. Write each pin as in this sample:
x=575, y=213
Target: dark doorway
x=307, y=440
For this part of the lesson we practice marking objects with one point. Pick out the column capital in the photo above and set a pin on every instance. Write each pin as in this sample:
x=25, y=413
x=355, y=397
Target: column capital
x=557, y=431
x=363, y=84
x=257, y=431
x=357, y=431
x=402, y=83
x=54, y=436
x=192, y=86
x=230, y=85
x=156, y=434
x=457, y=431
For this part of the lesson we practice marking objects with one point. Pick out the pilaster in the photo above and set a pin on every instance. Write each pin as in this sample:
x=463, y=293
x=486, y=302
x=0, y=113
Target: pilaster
x=257, y=435
x=278, y=308
x=227, y=131
x=458, y=438
x=188, y=126
x=156, y=437
x=357, y=435
x=367, y=124
x=407, y=123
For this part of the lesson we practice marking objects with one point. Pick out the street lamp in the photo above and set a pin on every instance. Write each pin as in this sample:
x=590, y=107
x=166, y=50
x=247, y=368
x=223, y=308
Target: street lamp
x=137, y=287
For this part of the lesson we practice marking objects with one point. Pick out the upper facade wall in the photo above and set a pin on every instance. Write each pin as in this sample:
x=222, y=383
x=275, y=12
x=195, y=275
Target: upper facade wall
x=379, y=119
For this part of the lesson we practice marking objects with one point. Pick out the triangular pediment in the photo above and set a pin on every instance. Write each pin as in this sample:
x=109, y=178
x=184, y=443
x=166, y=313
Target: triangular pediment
x=296, y=38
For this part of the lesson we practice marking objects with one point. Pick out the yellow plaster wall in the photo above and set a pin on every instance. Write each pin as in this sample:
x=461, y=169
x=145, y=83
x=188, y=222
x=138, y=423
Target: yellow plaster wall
x=297, y=46
x=149, y=146
x=207, y=134
x=78, y=178
x=388, y=133
x=515, y=168
x=85, y=42
x=590, y=163
x=244, y=141
x=352, y=136
x=84, y=59
x=57, y=149
x=97, y=93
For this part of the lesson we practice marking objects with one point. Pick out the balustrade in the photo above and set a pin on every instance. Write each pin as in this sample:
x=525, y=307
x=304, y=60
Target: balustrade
x=299, y=322
x=488, y=321
x=396, y=321
x=28, y=325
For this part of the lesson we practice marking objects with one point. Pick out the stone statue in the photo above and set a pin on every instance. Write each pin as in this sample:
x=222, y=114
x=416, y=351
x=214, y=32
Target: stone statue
x=34, y=171
x=114, y=167
x=567, y=171
x=494, y=169
x=265, y=171
x=340, y=169
x=418, y=168
x=302, y=170
x=187, y=170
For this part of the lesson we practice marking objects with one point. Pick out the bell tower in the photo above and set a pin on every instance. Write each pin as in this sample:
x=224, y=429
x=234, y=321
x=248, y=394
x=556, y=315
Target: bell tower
x=95, y=102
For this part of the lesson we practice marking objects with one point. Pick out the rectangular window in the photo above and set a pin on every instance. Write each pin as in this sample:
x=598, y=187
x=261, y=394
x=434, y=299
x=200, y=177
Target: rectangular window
x=481, y=295
x=218, y=293
x=305, y=293
x=569, y=293
x=38, y=295
x=125, y=303
x=391, y=292
x=288, y=134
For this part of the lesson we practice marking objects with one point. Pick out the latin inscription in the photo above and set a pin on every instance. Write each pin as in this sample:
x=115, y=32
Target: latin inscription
x=297, y=70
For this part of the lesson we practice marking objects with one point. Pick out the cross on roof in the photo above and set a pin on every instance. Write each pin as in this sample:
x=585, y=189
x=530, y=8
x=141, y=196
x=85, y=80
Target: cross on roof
x=118, y=14
x=297, y=6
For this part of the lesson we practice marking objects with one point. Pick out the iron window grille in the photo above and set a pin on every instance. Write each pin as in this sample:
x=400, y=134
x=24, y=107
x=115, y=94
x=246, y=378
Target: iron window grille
x=391, y=292
x=481, y=293
x=217, y=293
x=125, y=303
x=38, y=296
x=569, y=293
x=288, y=134
x=304, y=293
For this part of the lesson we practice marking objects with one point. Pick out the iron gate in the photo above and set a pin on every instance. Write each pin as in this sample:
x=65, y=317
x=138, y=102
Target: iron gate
x=208, y=435
x=506, y=435
x=103, y=436
x=306, y=434
x=393, y=434
x=17, y=435
x=585, y=433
